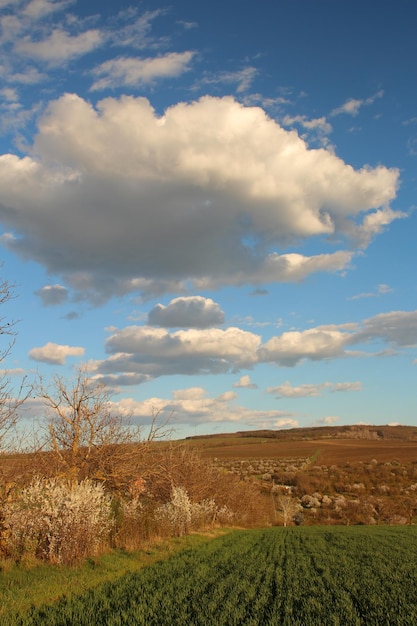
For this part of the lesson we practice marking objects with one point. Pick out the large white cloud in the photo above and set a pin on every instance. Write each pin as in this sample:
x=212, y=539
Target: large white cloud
x=156, y=352
x=116, y=198
x=139, y=353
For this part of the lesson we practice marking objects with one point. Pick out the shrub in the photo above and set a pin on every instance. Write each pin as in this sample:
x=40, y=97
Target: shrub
x=58, y=521
x=181, y=514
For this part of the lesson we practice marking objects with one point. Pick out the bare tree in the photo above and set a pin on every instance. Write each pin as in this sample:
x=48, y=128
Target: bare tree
x=10, y=400
x=83, y=437
x=287, y=507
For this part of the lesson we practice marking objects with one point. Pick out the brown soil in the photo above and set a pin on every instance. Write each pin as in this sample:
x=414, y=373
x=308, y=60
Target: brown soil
x=322, y=452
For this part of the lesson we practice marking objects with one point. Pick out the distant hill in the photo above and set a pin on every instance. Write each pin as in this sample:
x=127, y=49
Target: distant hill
x=356, y=431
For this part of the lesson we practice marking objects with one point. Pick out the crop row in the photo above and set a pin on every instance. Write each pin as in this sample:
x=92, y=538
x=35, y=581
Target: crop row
x=291, y=576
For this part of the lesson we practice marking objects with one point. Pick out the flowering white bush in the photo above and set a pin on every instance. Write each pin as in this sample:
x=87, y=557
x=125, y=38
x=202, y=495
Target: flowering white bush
x=59, y=521
x=131, y=509
x=181, y=514
x=177, y=513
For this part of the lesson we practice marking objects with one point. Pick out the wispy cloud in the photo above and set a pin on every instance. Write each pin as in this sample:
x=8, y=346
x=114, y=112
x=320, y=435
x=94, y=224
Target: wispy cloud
x=242, y=79
x=382, y=289
x=132, y=71
x=60, y=46
x=353, y=106
x=309, y=390
x=317, y=129
x=132, y=29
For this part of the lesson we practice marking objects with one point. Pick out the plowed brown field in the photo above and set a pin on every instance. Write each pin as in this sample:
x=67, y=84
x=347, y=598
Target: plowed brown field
x=324, y=452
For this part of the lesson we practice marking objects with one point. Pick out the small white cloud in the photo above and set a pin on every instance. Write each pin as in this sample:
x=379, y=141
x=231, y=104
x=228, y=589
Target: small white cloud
x=382, y=289
x=355, y=386
x=286, y=422
x=9, y=94
x=327, y=421
x=134, y=30
x=244, y=382
x=373, y=224
x=412, y=146
x=259, y=292
x=36, y=9
x=288, y=391
x=54, y=353
x=29, y=76
x=17, y=371
x=350, y=107
x=72, y=315
x=52, y=295
x=187, y=25
x=187, y=312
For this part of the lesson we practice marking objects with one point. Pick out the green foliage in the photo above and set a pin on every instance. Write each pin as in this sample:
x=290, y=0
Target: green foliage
x=292, y=577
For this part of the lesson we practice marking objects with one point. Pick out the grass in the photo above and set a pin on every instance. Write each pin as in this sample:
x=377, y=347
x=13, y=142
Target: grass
x=32, y=584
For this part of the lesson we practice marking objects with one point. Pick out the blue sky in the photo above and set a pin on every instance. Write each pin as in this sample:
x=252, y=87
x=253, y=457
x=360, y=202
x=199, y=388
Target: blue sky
x=212, y=204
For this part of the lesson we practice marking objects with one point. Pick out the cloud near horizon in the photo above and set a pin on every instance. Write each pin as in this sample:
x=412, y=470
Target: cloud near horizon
x=116, y=199
x=194, y=406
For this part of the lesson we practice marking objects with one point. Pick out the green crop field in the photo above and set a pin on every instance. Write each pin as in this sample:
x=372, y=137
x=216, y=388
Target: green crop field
x=303, y=576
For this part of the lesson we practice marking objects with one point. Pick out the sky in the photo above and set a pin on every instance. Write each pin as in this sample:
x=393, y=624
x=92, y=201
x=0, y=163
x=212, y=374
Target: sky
x=212, y=205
